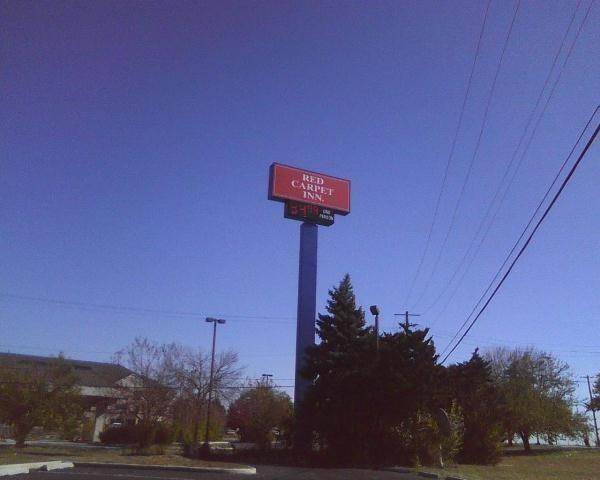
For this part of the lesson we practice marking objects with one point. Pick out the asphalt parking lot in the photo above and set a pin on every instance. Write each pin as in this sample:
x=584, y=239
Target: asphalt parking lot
x=263, y=473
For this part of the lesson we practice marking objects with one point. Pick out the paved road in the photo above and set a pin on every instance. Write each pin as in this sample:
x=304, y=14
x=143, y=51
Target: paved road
x=263, y=473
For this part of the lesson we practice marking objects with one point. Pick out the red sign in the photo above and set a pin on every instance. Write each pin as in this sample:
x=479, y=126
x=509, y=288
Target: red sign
x=290, y=183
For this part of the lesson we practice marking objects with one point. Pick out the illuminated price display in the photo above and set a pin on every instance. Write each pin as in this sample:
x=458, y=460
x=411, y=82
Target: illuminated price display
x=308, y=213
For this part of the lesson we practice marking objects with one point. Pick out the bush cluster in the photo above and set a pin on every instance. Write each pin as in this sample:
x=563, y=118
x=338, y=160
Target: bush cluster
x=376, y=401
x=140, y=434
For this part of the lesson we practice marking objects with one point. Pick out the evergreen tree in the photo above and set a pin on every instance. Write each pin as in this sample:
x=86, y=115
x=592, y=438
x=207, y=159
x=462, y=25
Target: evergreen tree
x=404, y=383
x=336, y=365
x=472, y=386
x=365, y=404
x=344, y=323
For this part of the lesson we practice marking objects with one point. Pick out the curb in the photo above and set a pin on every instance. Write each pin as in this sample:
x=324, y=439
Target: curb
x=428, y=475
x=421, y=474
x=398, y=469
x=22, y=468
x=6, y=470
x=245, y=470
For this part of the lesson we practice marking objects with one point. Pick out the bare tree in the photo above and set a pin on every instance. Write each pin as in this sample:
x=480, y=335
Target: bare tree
x=176, y=380
x=192, y=376
x=151, y=392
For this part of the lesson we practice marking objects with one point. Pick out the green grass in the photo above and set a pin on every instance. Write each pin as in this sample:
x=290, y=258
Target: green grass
x=11, y=455
x=541, y=464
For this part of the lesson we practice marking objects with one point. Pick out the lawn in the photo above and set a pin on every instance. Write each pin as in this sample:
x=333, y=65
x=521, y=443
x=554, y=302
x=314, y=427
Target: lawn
x=10, y=455
x=542, y=464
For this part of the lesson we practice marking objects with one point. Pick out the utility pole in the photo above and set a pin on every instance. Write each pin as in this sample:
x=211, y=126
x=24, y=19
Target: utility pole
x=214, y=321
x=593, y=411
x=407, y=324
x=266, y=377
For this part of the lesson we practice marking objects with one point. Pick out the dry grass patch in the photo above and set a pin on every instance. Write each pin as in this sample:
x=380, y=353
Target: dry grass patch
x=547, y=464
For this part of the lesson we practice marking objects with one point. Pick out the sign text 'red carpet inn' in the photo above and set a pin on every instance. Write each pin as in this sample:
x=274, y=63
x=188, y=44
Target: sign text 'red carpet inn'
x=290, y=183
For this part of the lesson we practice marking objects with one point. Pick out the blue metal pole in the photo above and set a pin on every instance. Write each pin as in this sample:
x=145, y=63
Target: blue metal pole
x=307, y=306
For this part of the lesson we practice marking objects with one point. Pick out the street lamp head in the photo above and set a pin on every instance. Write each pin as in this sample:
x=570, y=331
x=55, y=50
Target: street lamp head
x=374, y=309
x=215, y=320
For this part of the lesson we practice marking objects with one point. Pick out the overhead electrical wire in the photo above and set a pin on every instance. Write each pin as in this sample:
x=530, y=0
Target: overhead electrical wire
x=507, y=170
x=140, y=387
x=581, y=25
x=473, y=157
x=531, y=219
x=139, y=310
x=450, y=155
x=518, y=166
x=530, y=237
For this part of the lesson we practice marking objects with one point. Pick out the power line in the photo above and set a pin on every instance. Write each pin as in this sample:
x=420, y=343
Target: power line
x=450, y=156
x=139, y=310
x=134, y=388
x=473, y=157
x=521, y=161
x=528, y=241
x=99, y=352
x=531, y=219
x=511, y=162
x=545, y=346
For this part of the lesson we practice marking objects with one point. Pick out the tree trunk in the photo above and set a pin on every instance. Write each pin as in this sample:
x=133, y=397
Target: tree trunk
x=525, y=438
x=20, y=432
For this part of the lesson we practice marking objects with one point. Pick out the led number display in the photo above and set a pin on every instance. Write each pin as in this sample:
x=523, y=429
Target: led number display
x=308, y=213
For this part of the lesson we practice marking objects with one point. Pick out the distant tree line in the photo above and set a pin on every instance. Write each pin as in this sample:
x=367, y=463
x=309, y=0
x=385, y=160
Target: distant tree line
x=386, y=402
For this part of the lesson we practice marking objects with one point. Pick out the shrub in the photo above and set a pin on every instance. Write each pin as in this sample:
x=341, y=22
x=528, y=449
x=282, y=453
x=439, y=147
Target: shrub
x=87, y=430
x=142, y=435
x=70, y=429
x=123, y=435
x=162, y=434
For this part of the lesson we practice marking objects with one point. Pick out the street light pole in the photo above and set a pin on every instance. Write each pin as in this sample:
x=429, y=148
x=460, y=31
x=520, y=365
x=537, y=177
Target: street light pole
x=375, y=311
x=214, y=321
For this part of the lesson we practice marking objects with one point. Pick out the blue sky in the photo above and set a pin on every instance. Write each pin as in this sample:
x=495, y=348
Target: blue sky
x=136, y=139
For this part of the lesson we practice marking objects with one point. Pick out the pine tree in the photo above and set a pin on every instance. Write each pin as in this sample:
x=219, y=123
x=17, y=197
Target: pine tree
x=336, y=365
x=345, y=323
x=365, y=404
x=473, y=388
x=405, y=380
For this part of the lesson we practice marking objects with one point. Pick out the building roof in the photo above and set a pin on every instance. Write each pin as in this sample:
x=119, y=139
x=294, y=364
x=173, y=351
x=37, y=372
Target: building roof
x=88, y=374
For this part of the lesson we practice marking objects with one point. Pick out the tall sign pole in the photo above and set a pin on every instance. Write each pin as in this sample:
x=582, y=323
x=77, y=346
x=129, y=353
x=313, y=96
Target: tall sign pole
x=314, y=199
x=307, y=303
